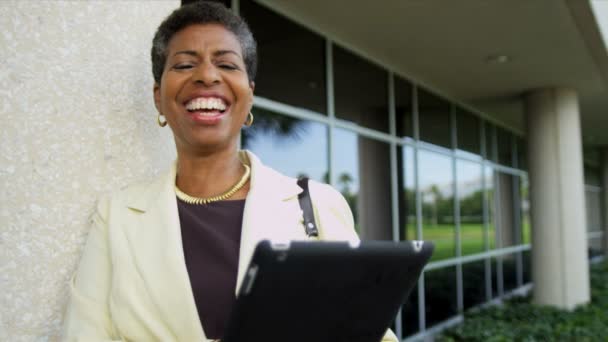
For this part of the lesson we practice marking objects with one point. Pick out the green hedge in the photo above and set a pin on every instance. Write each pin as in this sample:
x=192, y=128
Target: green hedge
x=518, y=320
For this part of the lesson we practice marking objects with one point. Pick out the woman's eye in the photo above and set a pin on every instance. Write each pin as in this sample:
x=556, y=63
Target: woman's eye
x=228, y=66
x=182, y=66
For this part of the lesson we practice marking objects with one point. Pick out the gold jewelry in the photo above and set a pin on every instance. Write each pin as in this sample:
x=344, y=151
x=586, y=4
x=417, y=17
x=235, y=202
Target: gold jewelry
x=249, y=121
x=205, y=200
x=161, y=123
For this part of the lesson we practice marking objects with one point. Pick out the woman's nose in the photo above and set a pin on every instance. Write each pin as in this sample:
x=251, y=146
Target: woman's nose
x=207, y=74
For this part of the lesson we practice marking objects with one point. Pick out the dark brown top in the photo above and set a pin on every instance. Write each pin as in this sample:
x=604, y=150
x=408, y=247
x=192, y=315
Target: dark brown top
x=211, y=236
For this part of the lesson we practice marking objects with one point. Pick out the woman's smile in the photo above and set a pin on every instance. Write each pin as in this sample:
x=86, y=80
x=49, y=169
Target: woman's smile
x=207, y=110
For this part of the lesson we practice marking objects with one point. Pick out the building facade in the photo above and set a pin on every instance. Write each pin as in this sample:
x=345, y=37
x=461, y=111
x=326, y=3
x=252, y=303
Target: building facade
x=412, y=164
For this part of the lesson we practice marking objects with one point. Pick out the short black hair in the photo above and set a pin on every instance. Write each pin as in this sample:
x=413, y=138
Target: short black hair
x=203, y=12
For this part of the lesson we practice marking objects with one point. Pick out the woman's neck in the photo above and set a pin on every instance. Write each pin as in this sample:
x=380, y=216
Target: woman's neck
x=209, y=175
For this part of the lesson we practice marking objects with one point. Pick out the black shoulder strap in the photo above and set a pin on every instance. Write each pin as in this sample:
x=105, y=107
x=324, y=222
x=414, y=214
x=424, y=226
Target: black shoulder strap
x=306, y=204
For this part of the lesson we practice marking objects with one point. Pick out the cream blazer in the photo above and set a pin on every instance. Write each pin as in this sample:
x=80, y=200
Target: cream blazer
x=132, y=283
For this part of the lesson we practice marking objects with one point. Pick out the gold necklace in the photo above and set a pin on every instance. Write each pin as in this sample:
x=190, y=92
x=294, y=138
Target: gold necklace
x=205, y=200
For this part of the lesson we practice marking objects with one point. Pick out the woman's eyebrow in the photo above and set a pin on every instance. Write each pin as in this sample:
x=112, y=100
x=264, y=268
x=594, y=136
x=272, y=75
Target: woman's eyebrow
x=186, y=52
x=225, y=52
x=215, y=54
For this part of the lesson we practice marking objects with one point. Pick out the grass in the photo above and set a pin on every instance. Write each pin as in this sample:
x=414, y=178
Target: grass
x=472, y=238
x=519, y=320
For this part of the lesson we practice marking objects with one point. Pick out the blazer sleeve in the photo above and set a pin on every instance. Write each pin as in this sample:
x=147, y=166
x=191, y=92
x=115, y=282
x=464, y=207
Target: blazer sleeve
x=335, y=220
x=87, y=317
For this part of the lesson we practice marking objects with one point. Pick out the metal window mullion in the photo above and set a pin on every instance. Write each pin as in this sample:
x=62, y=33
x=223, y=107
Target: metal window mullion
x=419, y=233
x=497, y=222
x=331, y=115
x=395, y=187
x=456, y=215
x=485, y=212
x=516, y=188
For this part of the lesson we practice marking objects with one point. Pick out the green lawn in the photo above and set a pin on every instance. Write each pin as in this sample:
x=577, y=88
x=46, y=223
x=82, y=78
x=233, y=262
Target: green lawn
x=471, y=236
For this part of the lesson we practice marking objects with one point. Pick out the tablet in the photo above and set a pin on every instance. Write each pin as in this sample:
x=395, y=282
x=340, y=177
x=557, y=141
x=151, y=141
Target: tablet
x=325, y=291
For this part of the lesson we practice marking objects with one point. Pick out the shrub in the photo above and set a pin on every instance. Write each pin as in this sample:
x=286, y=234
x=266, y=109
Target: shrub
x=519, y=320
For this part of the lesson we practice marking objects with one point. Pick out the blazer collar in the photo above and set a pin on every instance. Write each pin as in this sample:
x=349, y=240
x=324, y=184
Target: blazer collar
x=263, y=179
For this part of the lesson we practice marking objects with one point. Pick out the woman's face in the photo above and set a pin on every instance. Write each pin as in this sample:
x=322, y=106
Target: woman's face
x=204, y=93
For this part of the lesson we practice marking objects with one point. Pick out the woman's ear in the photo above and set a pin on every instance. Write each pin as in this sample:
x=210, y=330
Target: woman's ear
x=157, y=96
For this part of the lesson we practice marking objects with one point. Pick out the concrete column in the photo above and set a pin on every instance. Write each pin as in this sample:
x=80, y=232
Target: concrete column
x=559, y=235
x=605, y=198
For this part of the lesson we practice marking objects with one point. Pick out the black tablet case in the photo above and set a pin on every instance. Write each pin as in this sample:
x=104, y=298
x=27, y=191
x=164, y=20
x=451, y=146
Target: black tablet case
x=325, y=291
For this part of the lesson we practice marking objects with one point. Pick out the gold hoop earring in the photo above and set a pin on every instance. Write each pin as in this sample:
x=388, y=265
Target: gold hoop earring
x=160, y=122
x=249, y=121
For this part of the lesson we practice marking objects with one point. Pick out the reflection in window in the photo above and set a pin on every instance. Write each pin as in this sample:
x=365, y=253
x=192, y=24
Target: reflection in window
x=468, y=133
x=490, y=147
x=436, y=190
x=280, y=141
x=504, y=147
x=403, y=107
x=509, y=271
x=291, y=59
x=440, y=295
x=596, y=247
x=470, y=194
x=362, y=174
x=593, y=202
x=474, y=283
x=407, y=197
x=434, y=119
x=527, y=267
x=410, y=320
x=361, y=90
x=345, y=174
x=506, y=215
x=490, y=194
x=522, y=154
x=526, y=230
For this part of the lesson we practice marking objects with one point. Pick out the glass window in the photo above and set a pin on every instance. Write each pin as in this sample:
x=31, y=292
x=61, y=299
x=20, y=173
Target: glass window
x=407, y=198
x=593, y=202
x=280, y=141
x=505, y=213
x=596, y=247
x=362, y=174
x=361, y=90
x=592, y=175
x=527, y=264
x=434, y=119
x=403, y=107
x=509, y=271
x=504, y=147
x=441, y=300
x=474, y=283
x=410, y=320
x=470, y=195
x=436, y=190
x=522, y=154
x=490, y=194
x=526, y=228
x=468, y=131
x=291, y=59
x=490, y=147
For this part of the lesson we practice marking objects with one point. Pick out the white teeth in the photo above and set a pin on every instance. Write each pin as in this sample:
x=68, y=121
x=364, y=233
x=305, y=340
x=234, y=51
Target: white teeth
x=208, y=103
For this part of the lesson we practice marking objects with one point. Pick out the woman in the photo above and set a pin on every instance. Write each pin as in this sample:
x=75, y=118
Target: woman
x=164, y=259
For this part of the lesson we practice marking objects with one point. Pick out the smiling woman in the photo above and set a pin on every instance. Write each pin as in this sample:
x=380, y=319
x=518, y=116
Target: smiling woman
x=164, y=258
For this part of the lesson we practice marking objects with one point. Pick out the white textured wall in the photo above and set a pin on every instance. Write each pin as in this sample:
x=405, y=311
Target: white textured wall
x=77, y=121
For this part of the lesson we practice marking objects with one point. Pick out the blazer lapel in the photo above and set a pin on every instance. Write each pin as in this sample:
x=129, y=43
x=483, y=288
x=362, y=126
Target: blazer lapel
x=271, y=211
x=155, y=239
